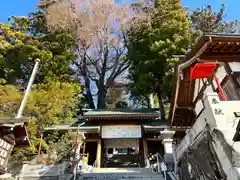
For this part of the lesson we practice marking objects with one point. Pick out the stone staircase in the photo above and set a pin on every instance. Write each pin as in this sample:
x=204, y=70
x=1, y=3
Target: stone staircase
x=120, y=174
x=123, y=160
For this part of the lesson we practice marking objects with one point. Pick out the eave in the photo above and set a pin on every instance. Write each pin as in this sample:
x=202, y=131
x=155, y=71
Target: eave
x=122, y=117
x=122, y=114
x=14, y=121
x=18, y=126
x=66, y=127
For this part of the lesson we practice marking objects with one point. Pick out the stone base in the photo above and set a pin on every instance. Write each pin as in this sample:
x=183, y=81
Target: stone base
x=169, y=160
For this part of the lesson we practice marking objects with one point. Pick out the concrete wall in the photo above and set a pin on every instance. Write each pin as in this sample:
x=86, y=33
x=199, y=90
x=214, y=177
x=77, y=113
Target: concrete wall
x=216, y=115
x=44, y=172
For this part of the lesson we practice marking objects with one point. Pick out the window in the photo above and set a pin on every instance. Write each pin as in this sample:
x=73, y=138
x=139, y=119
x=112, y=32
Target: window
x=230, y=91
x=238, y=80
x=122, y=150
x=110, y=150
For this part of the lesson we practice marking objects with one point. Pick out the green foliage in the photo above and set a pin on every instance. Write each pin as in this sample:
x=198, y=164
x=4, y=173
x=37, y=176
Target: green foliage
x=19, y=48
x=151, y=49
x=60, y=45
x=18, y=52
x=55, y=96
x=10, y=98
x=208, y=21
x=61, y=146
x=52, y=103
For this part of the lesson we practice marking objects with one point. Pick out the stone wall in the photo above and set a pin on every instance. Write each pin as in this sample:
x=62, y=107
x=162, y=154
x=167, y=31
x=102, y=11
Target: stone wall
x=44, y=172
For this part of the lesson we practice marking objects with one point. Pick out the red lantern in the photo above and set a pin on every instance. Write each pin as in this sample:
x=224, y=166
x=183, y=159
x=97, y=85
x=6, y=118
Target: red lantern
x=205, y=70
x=202, y=70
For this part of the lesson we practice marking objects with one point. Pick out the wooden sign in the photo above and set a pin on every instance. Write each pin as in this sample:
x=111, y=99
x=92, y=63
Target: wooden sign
x=121, y=131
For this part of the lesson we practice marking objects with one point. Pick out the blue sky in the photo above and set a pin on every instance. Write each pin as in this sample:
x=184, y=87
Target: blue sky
x=23, y=7
x=232, y=6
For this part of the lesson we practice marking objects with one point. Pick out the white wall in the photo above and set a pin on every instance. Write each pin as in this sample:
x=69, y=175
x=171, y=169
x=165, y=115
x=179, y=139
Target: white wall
x=235, y=66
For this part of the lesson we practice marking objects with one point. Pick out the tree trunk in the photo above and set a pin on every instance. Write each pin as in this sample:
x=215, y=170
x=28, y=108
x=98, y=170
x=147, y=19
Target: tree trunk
x=101, y=103
x=84, y=71
x=101, y=86
x=90, y=100
x=161, y=106
x=101, y=99
x=89, y=94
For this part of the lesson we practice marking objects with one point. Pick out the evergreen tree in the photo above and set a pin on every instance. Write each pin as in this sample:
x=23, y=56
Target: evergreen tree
x=208, y=21
x=55, y=96
x=152, y=46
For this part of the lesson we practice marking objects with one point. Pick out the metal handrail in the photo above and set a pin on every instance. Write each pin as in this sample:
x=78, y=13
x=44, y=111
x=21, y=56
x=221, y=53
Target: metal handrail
x=161, y=167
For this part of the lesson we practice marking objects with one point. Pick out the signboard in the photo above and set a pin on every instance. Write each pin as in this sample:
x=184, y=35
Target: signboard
x=121, y=131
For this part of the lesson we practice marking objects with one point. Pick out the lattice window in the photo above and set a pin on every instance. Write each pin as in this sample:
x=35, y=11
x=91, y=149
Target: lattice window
x=230, y=91
x=5, y=150
x=238, y=80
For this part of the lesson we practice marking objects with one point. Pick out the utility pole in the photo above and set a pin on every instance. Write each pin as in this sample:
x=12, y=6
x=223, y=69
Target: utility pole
x=25, y=98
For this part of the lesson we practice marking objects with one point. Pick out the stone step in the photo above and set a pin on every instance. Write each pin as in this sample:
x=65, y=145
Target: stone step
x=126, y=170
x=120, y=176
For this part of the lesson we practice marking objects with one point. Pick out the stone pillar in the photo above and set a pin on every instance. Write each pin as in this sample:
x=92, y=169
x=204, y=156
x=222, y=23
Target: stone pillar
x=168, y=148
x=99, y=153
x=145, y=150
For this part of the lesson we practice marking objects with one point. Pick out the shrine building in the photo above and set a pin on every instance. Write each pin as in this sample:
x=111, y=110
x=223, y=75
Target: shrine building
x=122, y=137
x=13, y=133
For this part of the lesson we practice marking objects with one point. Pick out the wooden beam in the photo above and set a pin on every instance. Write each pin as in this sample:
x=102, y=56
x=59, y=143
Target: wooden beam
x=179, y=70
x=92, y=140
x=179, y=128
x=200, y=94
x=99, y=153
x=154, y=139
x=145, y=152
x=220, y=58
x=231, y=74
x=216, y=46
x=184, y=107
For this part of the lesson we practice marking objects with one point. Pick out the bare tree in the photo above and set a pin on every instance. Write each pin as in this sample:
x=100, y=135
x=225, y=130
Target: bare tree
x=116, y=95
x=99, y=27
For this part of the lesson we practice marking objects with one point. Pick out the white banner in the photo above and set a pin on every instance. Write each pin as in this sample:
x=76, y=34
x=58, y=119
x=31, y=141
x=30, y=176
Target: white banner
x=121, y=131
